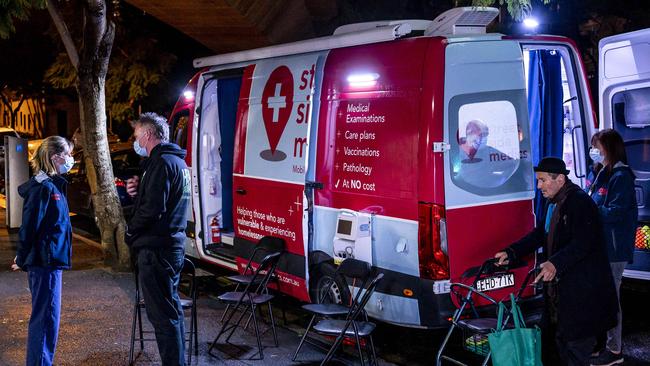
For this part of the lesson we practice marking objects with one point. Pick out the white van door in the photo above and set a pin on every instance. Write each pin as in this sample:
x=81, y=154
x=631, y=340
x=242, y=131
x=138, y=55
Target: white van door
x=624, y=92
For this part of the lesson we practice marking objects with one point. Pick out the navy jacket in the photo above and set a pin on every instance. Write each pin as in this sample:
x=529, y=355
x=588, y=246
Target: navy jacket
x=45, y=233
x=586, y=297
x=161, y=206
x=616, y=200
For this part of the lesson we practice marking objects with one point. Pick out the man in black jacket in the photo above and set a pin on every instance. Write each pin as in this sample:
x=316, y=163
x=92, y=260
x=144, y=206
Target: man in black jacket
x=579, y=289
x=156, y=233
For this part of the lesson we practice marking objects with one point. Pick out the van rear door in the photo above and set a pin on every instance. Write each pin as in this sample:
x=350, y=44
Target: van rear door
x=488, y=171
x=624, y=80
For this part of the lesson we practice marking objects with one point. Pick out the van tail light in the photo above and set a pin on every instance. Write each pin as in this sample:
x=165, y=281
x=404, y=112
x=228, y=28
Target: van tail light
x=432, y=242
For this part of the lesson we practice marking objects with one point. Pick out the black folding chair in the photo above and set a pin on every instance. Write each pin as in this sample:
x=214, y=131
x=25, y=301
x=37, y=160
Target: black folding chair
x=188, y=270
x=352, y=327
x=353, y=268
x=266, y=245
x=254, y=295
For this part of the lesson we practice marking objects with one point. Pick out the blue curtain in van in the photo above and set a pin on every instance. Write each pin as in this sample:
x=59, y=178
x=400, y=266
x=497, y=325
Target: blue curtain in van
x=545, y=110
x=228, y=97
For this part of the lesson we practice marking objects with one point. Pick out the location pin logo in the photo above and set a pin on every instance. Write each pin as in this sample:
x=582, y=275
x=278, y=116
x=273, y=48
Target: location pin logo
x=277, y=104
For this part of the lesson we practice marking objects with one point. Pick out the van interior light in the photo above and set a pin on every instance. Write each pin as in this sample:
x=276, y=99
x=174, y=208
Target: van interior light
x=363, y=80
x=188, y=95
x=531, y=23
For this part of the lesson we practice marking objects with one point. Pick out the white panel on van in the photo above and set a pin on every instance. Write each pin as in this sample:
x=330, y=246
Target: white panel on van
x=624, y=69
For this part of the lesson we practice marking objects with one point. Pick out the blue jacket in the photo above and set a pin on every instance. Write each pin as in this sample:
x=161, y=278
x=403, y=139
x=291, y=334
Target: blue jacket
x=616, y=200
x=45, y=236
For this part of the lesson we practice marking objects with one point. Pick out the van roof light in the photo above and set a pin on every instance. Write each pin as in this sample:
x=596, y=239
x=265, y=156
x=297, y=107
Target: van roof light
x=464, y=20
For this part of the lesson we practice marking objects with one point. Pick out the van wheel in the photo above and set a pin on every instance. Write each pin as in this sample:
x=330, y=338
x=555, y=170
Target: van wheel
x=320, y=290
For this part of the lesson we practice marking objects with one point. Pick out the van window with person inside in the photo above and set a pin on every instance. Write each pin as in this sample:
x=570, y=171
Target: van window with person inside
x=486, y=157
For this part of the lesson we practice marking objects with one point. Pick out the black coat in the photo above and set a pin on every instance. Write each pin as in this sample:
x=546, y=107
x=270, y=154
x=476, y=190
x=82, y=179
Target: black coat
x=160, y=213
x=587, y=304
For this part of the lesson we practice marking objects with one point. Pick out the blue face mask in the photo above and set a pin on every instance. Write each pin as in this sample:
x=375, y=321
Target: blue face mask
x=139, y=149
x=66, y=166
x=595, y=155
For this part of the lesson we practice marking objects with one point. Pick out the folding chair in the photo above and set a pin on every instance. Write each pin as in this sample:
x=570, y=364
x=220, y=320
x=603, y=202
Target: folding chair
x=351, y=327
x=266, y=245
x=352, y=268
x=187, y=304
x=254, y=295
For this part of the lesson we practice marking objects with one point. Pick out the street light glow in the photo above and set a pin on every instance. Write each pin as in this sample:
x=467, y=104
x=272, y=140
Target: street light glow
x=531, y=23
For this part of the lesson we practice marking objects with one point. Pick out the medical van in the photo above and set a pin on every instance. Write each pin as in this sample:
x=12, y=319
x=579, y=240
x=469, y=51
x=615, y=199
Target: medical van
x=408, y=144
x=624, y=92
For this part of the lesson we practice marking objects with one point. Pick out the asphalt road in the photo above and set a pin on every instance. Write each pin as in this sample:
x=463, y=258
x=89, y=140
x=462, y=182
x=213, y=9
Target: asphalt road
x=97, y=319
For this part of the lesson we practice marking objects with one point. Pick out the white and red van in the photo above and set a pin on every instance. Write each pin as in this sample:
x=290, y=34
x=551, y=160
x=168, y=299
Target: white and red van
x=624, y=92
x=408, y=144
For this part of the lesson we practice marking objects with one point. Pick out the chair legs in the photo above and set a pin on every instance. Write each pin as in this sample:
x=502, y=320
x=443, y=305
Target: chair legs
x=370, y=349
x=135, y=314
x=304, y=337
x=229, y=326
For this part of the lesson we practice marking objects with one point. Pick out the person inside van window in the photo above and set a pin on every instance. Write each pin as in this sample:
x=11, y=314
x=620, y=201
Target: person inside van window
x=612, y=190
x=45, y=244
x=574, y=255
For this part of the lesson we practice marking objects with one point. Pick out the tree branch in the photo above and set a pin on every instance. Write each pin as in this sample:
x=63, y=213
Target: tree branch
x=68, y=43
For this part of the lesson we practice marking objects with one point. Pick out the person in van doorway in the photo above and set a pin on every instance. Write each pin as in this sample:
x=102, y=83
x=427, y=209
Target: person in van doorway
x=576, y=270
x=156, y=232
x=613, y=192
x=45, y=244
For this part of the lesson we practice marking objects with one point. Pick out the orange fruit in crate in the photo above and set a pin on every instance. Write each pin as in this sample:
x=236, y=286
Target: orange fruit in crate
x=640, y=239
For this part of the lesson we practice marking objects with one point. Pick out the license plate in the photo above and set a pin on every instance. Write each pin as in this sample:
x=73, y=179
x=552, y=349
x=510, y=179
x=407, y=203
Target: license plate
x=493, y=283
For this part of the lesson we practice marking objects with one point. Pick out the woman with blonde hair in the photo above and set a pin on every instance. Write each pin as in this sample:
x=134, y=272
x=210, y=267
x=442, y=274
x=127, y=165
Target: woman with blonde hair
x=45, y=245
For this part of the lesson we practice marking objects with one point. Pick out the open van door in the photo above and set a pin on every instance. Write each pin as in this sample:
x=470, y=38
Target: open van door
x=624, y=79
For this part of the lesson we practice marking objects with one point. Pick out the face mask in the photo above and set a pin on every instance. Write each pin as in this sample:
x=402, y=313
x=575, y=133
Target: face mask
x=139, y=149
x=594, y=154
x=67, y=165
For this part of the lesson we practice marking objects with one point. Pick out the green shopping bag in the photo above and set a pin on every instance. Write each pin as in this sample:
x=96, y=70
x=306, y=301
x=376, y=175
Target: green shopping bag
x=519, y=346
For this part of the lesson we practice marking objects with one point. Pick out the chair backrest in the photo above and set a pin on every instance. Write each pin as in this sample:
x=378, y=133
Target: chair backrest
x=265, y=270
x=357, y=270
x=189, y=269
x=268, y=244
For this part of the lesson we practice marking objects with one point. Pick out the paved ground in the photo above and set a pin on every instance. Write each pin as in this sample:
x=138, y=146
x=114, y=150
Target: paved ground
x=96, y=317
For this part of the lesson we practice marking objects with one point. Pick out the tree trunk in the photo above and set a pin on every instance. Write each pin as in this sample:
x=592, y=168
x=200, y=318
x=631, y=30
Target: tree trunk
x=91, y=76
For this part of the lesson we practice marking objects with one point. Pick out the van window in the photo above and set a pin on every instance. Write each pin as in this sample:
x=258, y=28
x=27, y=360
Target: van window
x=631, y=118
x=632, y=107
x=490, y=154
x=179, y=129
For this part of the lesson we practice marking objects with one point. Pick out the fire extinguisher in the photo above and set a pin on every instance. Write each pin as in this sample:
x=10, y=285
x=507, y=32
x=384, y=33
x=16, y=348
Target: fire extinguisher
x=214, y=230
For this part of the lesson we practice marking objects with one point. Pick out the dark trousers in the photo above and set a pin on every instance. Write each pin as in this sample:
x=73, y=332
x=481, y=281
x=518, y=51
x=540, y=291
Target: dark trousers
x=159, y=274
x=576, y=352
x=45, y=286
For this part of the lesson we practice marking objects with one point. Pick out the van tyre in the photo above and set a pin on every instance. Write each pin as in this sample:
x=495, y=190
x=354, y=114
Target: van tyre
x=319, y=289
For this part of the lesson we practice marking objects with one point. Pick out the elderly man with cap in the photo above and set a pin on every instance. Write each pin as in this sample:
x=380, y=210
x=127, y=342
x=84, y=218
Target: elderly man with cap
x=579, y=290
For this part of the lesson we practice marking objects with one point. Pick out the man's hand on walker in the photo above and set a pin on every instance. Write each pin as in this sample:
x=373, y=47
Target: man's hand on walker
x=547, y=272
x=502, y=258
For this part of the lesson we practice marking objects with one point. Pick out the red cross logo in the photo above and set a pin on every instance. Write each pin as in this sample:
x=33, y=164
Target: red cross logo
x=277, y=104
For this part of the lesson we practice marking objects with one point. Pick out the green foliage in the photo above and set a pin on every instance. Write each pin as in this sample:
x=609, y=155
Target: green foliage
x=137, y=65
x=11, y=10
x=518, y=9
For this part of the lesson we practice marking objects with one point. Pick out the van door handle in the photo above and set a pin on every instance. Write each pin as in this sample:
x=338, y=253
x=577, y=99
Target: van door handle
x=576, y=163
x=240, y=191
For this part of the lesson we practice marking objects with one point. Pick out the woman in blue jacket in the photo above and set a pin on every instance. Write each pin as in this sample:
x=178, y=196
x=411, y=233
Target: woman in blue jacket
x=45, y=246
x=613, y=191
